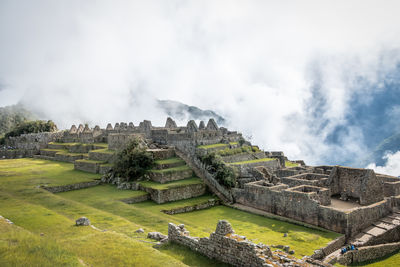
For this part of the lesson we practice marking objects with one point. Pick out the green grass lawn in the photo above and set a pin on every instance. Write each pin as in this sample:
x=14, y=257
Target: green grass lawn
x=289, y=164
x=105, y=145
x=36, y=211
x=174, y=169
x=173, y=184
x=251, y=161
x=169, y=161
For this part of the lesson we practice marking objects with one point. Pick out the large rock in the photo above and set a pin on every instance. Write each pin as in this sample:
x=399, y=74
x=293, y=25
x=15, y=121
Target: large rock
x=224, y=228
x=156, y=236
x=82, y=221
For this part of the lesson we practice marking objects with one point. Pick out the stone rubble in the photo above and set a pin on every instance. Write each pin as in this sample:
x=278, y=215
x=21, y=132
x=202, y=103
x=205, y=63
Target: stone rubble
x=82, y=221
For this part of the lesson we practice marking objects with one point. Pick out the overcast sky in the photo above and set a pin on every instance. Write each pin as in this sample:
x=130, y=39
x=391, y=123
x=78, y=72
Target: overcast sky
x=297, y=76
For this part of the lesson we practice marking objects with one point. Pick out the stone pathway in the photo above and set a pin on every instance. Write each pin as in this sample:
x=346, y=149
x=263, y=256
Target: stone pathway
x=377, y=229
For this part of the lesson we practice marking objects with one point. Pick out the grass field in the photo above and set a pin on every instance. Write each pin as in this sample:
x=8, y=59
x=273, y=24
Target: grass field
x=44, y=234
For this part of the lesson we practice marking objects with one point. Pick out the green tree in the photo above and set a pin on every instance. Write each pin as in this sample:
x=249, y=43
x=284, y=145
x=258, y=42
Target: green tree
x=224, y=174
x=132, y=162
x=32, y=127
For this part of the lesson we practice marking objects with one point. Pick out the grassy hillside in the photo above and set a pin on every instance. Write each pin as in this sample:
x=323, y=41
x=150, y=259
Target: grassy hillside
x=44, y=234
x=11, y=116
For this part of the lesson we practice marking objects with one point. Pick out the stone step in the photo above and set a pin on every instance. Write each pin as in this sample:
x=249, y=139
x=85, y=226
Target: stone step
x=102, y=155
x=87, y=165
x=390, y=221
x=49, y=152
x=162, y=153
x=69, y=157
x=361, y=239
x=374, y=231
x=332, y=258
x=173, y=191
x=57, y=146
x=384, y=225
x=169, y=163
x=171, y=174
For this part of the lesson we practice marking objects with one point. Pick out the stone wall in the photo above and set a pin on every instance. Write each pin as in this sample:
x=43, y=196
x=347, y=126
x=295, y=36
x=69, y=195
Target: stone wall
x=245, y=170
x=362, y=217
x=308, y=207
x=176, y=193
x=77, y=186
x=391, y=185
x=368, y=253
x=226, y=246
x=87, y=166
x=313, y=179
x=362, y=184
x=101, y=156
x=137, y=199
x=27, y=145
x=201, y=206
x=16, y=153
x=169, y=176
x=244, y=156
x=120, y=140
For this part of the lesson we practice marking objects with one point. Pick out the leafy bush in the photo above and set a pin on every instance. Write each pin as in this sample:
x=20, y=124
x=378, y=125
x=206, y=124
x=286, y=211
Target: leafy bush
x=224, y=174
x=132, y=162
x=32, y=127
x=241, y=141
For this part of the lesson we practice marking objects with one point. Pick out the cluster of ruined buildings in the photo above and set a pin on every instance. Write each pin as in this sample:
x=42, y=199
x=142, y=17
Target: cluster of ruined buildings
x=170, y=134
x=356, y=202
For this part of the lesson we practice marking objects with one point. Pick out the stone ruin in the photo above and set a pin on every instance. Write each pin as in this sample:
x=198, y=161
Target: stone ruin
x=226, y=246
x=342, y=199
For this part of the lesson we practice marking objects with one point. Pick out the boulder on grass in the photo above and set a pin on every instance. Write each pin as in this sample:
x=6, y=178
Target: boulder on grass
x=156, y=236
x=82, y=221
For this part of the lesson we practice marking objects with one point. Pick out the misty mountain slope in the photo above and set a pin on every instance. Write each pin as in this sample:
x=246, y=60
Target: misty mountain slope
x=10, y=116
x=180, y=111
x=388, y=145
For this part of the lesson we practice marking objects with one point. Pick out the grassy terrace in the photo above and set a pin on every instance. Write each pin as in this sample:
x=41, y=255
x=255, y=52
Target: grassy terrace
x=104, y=150
x=65, y=152
x=90, y=161
x=44, y=234
x=174, y=184
x=54, y=149
x=64, y=144
x=169, y=161
x=174, y=169
x=212, y=146
x=289, y=164
x=252, y=161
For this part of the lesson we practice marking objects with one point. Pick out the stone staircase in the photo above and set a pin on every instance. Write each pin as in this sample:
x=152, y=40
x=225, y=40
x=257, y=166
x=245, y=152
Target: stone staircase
x=384, y=230
x=171, y=179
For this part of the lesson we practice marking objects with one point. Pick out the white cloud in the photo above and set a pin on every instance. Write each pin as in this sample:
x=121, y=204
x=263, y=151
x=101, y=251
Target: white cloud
x=392, y=166
x=101, y=61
